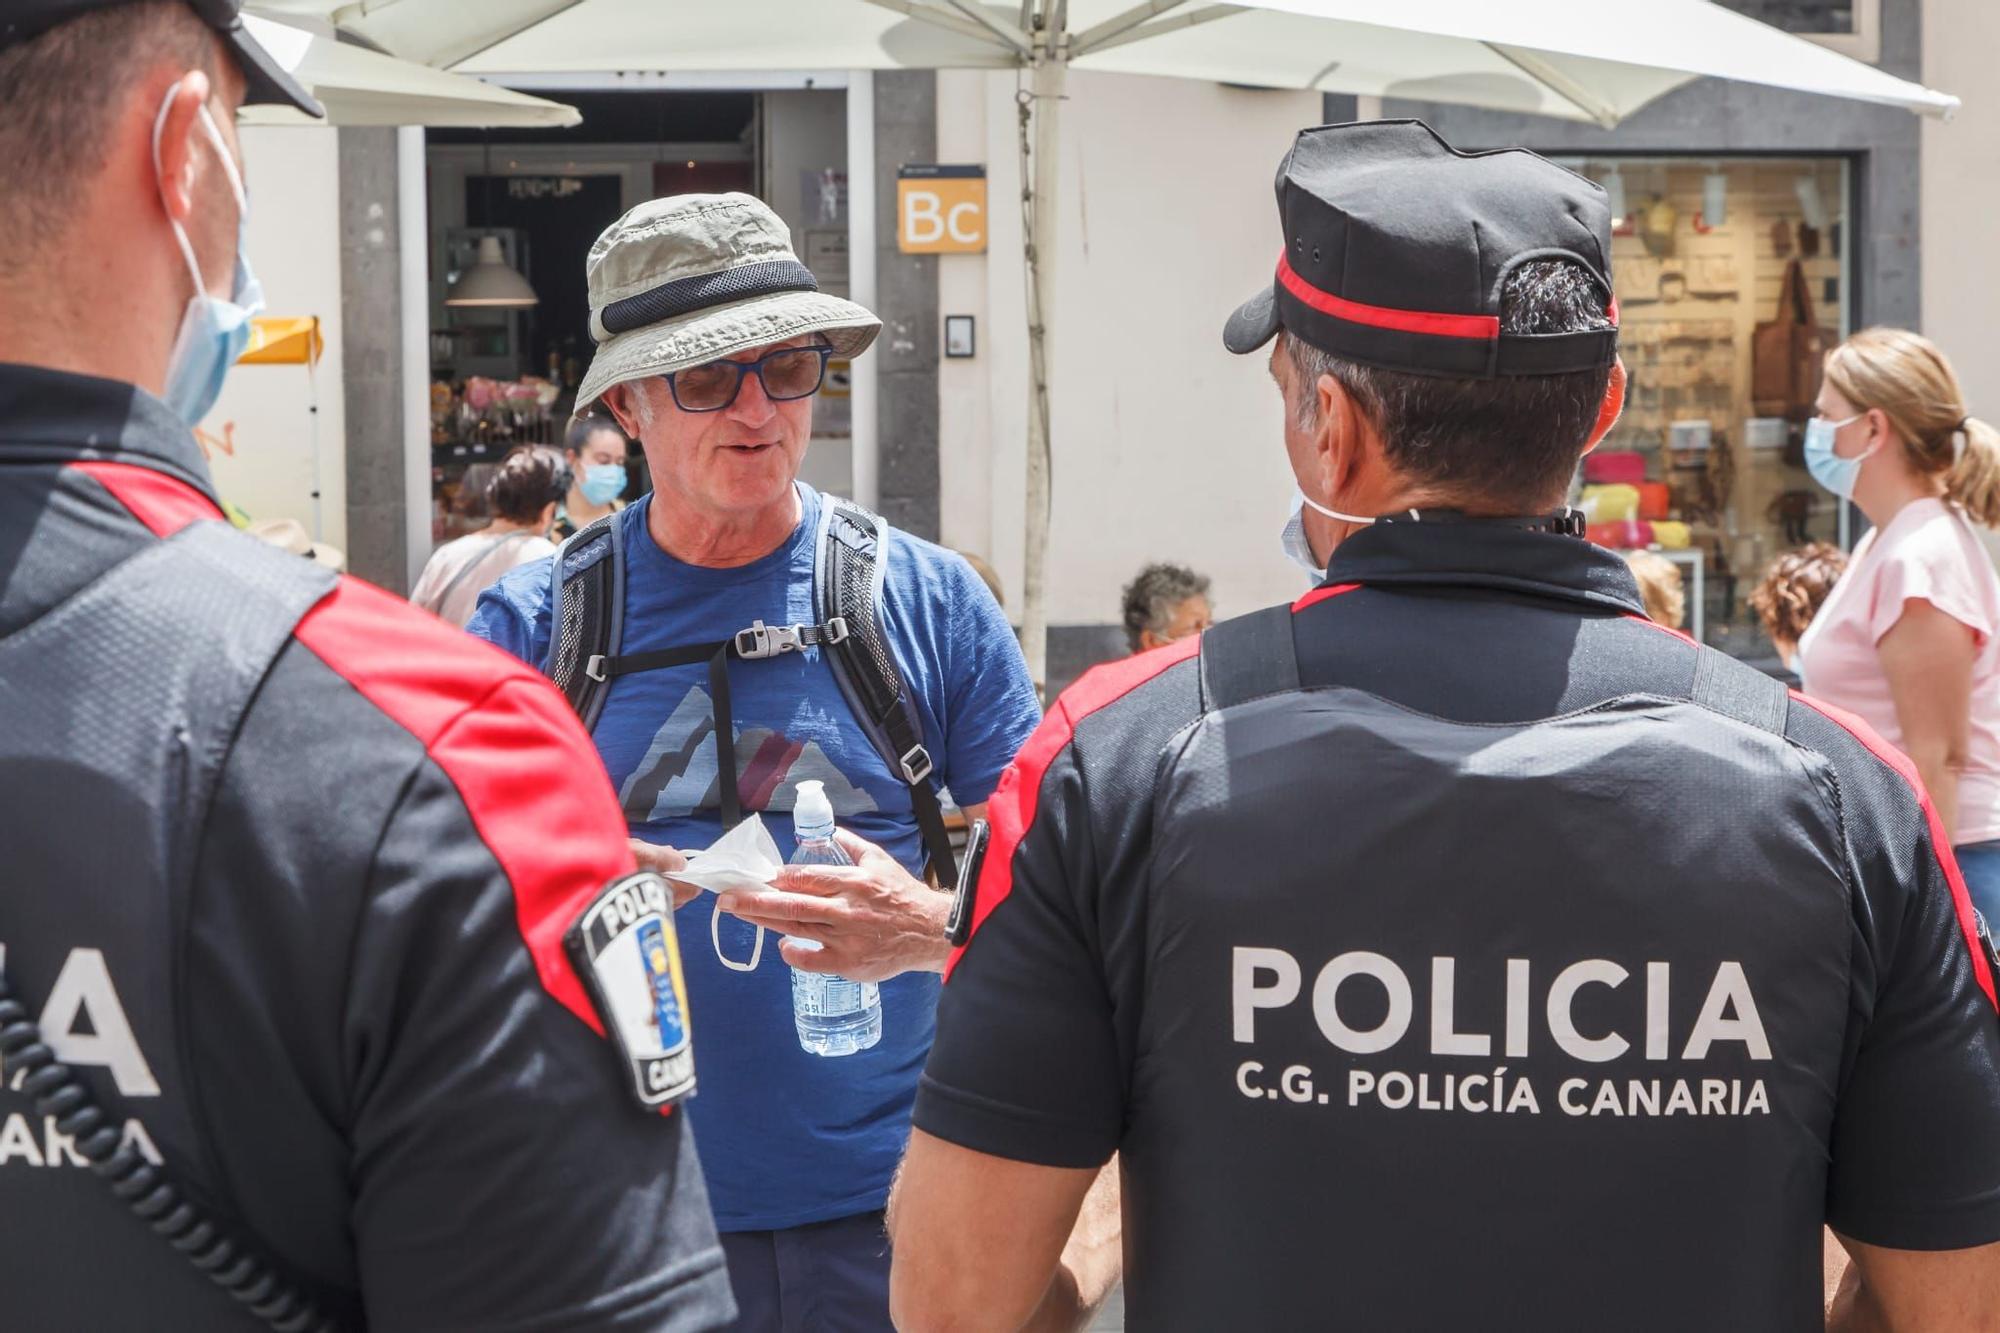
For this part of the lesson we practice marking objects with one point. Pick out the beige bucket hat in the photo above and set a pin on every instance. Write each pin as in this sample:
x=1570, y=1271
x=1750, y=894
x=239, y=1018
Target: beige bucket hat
x=288, y=534
x=694, y=278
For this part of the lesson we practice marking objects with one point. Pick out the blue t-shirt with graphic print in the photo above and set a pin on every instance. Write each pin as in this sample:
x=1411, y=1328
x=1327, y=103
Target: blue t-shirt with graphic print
x=787, y=1137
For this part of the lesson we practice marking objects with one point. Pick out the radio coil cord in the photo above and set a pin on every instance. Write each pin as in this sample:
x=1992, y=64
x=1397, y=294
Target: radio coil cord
x=146, y=1189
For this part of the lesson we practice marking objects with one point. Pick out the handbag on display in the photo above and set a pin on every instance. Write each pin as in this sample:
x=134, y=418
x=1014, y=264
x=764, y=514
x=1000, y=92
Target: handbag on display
x=1656, y=499
x=1609, y=503
x=1615, y=466
x=1625, y=534
x=1786, y=352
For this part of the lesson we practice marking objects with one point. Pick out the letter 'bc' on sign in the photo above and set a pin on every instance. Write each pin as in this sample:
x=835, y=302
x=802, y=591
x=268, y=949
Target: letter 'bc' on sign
x=941, y=210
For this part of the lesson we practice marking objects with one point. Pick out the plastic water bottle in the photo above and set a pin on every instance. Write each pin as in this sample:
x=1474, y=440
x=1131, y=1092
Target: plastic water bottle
x=835, y=1016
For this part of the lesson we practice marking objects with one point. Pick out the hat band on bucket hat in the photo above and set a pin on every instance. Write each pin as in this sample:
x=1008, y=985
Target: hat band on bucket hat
x=684, y=296
x=1431, y=342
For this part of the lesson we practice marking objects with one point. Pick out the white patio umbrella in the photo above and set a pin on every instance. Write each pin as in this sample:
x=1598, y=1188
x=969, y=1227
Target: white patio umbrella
x=358, y=86
x=1574, y=59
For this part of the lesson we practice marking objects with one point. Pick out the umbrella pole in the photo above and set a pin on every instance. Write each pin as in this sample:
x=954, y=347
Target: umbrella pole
x=1049, y=74
x=312, y=434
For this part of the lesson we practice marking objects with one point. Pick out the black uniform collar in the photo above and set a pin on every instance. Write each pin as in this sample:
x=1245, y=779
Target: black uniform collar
x=1442, y=550
x=53, y=416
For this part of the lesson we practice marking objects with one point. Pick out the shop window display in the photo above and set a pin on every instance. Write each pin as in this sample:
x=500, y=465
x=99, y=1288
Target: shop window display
x=1733, y=281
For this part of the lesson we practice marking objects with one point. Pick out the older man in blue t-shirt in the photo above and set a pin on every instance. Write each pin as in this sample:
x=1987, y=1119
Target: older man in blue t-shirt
x=712, y=340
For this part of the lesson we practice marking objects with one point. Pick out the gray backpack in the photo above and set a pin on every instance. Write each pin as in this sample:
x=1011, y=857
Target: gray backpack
x=849, y=562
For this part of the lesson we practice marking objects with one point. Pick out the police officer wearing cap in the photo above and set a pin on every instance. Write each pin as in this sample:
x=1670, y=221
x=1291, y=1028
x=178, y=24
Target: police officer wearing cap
x=1453, y=948
x=313, y=1014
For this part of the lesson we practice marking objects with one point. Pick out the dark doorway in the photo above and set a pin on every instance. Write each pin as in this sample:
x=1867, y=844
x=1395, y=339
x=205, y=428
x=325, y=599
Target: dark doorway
x=561, y=217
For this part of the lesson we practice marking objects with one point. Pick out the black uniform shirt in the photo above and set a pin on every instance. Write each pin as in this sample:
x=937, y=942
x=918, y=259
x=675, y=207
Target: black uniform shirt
x=1481, y=982
x=386, y=1069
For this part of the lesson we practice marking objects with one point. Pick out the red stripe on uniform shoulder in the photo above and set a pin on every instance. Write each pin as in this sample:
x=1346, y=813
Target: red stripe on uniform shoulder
x=1680, y=634
x=1961, y=901
x=531, y=781
x=164, y=504
x=1011, y=809
x=1318, y=595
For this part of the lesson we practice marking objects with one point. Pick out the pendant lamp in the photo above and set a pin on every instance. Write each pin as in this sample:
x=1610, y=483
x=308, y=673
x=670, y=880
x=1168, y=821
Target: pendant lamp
x=491, y=282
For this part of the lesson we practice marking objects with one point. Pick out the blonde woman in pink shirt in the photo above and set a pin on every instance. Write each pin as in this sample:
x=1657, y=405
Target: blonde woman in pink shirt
x=1906, y=639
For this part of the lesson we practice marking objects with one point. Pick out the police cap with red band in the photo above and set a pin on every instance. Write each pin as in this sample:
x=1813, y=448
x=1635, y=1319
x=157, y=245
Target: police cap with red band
x=1396, y=245
x=265, y=80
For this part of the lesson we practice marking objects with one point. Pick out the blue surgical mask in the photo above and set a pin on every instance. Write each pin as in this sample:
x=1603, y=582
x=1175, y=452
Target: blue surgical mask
x=602, y=483
x=1828, y=468
x=213, y=332
x=1299, y=550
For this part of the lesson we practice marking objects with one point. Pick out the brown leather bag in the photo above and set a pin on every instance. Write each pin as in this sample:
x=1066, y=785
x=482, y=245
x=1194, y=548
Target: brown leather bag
x=1786, y=353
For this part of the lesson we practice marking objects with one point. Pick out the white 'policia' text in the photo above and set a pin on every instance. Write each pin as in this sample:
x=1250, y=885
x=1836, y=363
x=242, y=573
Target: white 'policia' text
x=1270, y=979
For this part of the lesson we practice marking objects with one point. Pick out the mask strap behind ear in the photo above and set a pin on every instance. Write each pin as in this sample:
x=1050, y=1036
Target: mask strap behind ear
x=1333, y=513
x=159, y=177
x=715, y=938
x=236, y=184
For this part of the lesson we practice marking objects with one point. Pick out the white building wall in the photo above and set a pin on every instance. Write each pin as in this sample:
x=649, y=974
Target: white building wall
x=1166, y=447
x=264, y=413
x=1961, y=196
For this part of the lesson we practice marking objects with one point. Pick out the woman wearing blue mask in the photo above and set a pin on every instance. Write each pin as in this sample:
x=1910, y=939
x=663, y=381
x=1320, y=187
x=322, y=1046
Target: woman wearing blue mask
x=596, y=450
x=1906, y=638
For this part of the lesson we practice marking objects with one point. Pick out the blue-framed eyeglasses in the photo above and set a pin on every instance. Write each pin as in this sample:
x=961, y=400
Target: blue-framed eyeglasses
x=786, y=374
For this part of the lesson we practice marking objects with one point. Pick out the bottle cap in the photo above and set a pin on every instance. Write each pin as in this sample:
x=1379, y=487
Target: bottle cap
x=811, y=809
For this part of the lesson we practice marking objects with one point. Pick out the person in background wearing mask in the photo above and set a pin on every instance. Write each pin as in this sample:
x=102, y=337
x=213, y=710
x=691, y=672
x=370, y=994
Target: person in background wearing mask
x=1164, y=604
x=1261, y=909
x=288, y=921
x=595, y=448
x=522, y=498
x=1790, y=594
x=1906, y=638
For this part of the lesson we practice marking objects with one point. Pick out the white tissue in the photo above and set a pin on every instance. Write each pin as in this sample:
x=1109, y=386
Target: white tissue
x=743, y=858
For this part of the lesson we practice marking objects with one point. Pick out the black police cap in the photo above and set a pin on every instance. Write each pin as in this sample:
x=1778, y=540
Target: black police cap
x=265, y=80
x=1396, y=245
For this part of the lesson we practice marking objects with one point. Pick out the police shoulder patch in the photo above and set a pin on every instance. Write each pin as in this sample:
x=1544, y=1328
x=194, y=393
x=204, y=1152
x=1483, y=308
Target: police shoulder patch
x=624, y=948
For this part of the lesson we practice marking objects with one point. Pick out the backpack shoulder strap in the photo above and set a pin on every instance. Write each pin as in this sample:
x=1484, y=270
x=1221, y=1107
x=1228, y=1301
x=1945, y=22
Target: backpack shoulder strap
x=1734, y=689
x=848, y=571
x=1247, y=658
x=589, y=617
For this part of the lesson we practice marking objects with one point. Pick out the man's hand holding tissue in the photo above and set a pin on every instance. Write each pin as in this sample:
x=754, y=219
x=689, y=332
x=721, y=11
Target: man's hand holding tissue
x=664, y=861
x=873, y=919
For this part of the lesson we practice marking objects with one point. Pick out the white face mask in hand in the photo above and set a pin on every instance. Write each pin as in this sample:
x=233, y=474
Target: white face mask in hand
x=1299, y=550
x=715, y=938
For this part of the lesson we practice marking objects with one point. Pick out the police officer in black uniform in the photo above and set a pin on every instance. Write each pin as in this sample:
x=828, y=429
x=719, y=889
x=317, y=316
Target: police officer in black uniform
x=314, y=913
x=1454, y=948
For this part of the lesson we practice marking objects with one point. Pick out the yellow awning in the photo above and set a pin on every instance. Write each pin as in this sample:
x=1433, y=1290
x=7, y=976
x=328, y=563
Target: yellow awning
x=288, y=341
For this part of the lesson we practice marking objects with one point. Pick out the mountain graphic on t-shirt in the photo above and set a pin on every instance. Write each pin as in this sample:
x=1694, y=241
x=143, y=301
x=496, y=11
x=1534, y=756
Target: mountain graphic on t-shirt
x=678, y=774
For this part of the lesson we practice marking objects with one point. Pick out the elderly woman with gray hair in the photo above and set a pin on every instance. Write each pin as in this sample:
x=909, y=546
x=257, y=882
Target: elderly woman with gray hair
x=1164, y=603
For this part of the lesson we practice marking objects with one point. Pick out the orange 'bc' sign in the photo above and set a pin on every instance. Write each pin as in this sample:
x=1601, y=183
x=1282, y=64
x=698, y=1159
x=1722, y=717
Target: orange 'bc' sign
x=941, y=210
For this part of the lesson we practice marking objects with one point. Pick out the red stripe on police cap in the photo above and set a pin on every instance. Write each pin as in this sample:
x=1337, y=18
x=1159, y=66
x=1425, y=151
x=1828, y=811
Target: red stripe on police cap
x=1484, y=328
